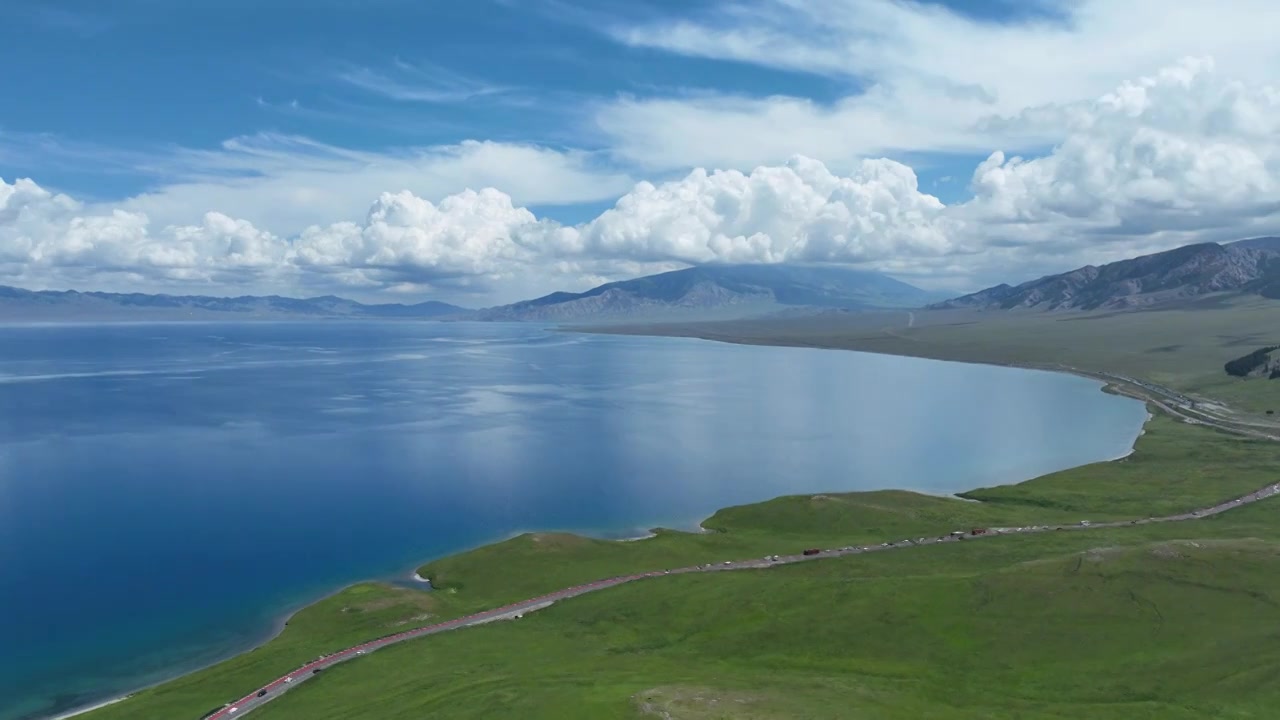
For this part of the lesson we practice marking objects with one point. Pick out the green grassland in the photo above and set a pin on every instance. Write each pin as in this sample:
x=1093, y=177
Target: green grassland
x=358, y=613
x=1124, y=624
x=1127, y=623
x=1183, y=347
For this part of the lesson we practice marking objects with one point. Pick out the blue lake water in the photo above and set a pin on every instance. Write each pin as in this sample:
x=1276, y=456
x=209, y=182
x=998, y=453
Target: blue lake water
x=168, y=490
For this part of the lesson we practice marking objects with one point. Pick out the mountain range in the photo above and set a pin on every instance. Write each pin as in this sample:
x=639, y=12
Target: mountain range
x=68, y=305
x=717, y=292
x=1244, y=267
x=726, y=291
x=694, y=293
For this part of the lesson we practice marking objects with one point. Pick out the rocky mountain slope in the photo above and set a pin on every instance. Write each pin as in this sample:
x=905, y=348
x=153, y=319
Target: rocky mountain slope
x=718, y=291
x=1251, y=266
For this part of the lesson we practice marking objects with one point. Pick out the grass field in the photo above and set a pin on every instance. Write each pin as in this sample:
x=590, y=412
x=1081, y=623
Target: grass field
x=357, y=613
x=1183, y=347
x=1126, y=623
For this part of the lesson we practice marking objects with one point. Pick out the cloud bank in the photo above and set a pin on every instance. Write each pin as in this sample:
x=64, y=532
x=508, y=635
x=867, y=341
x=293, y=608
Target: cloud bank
x=928, y=78
x=1180, y=155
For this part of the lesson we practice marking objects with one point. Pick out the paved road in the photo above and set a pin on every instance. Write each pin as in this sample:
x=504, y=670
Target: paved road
x=1183, y=407
x=515, y=610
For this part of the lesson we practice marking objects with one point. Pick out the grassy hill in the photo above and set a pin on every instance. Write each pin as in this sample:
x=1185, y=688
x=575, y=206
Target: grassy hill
x=1158, y=621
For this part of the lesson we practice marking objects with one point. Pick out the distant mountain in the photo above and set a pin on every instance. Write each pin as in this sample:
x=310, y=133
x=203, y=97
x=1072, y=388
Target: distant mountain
x=718, y=291
x=70, y=305
x=1250, y=266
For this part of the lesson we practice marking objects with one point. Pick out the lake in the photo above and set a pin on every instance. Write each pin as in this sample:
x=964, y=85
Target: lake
x=167, y=491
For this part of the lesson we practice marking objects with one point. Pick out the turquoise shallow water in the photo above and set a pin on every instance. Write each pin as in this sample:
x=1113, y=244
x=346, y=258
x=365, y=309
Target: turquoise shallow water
x=168, y=490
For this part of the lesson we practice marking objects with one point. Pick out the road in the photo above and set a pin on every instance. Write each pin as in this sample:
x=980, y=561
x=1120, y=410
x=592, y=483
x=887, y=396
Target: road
x=314, y=668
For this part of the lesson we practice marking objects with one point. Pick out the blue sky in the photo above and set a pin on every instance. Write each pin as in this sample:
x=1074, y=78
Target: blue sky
x=369, y=75
x=286, y=114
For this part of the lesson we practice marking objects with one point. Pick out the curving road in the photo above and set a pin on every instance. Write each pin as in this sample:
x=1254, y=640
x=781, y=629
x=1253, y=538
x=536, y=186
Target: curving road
x=515, y=610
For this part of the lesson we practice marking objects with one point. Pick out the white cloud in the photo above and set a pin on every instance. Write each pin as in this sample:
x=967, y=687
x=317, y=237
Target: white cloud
x=414, y=83
x=473, y=240
x=288, y=183
x=799, y=211
x=1182, y=151
x=934, y=79
x=406, y=239
x=48, y=238
x=740, y=132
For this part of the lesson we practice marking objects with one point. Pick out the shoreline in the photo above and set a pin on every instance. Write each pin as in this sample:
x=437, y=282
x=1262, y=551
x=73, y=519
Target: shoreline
x=282, y=621
x=91, y=708
x=278, y=625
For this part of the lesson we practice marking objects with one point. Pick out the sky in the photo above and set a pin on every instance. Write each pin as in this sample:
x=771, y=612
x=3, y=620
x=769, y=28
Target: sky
x=484, y=151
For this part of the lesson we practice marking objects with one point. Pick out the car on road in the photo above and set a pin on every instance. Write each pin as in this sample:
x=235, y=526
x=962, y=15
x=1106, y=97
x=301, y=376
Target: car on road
x=262, y=692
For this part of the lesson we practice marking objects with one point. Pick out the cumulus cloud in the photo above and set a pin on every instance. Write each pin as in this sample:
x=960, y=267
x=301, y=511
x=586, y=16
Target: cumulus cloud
x=799, y=211
x=46, y=236
x=1181, y=152
x=406, y=239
